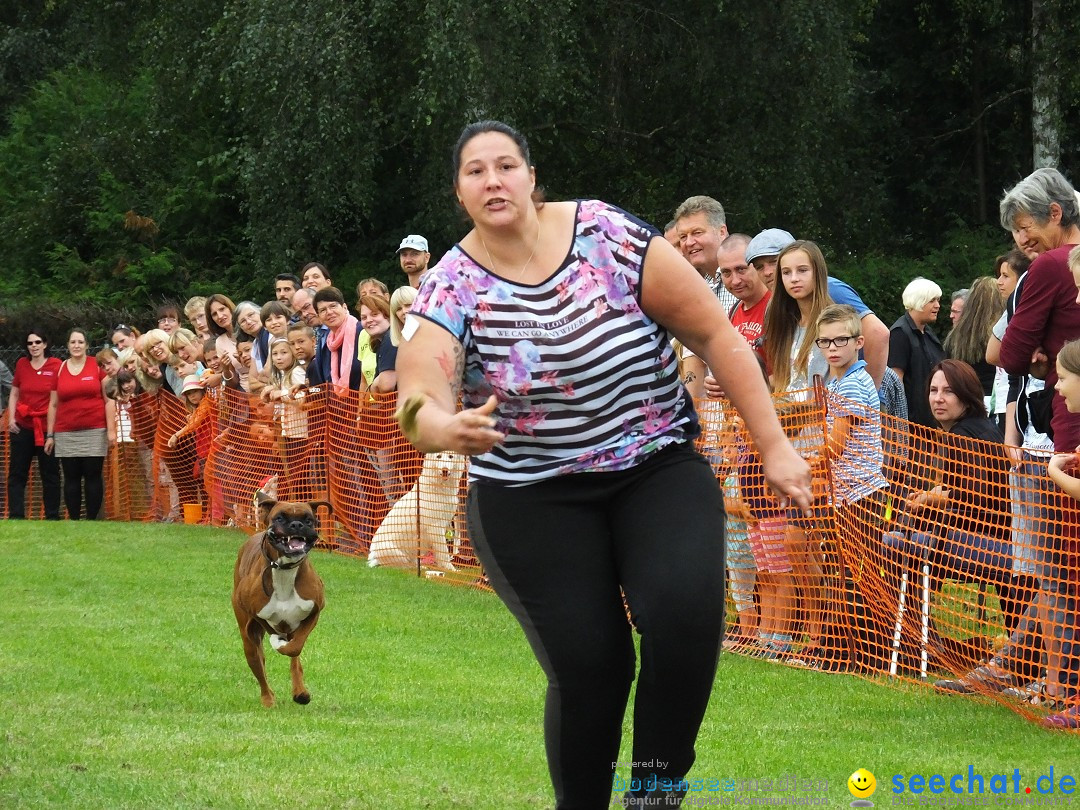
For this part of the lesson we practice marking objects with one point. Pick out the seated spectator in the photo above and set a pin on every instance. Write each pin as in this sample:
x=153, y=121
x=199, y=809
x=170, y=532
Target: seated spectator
x=959, y=525
x=1050, y=624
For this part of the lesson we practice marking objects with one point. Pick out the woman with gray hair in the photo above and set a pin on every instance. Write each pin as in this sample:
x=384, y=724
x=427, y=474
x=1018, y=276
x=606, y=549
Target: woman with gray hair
x=914, y=349
x=1041, y=211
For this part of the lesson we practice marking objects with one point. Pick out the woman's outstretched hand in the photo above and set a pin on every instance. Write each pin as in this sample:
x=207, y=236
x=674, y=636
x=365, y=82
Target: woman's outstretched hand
x=789, y=477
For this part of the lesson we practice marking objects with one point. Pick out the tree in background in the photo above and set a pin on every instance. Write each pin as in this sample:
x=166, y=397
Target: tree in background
x=160, y=149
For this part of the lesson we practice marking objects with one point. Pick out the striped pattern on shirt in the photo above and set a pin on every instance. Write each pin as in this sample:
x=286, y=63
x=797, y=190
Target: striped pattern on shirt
x=585, y=380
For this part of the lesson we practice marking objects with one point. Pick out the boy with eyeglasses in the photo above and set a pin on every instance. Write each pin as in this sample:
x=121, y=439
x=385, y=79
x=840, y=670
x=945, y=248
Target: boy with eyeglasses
x=853, y=446
x=853, y=456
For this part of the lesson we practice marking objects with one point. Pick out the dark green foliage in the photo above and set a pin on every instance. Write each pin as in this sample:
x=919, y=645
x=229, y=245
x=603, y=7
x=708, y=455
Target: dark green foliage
x=963, y=255
x=160, y=150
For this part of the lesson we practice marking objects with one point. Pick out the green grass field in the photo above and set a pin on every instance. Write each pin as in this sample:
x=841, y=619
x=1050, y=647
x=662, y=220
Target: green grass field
x=123, y=685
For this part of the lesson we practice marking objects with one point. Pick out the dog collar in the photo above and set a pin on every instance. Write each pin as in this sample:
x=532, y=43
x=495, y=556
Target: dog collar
x=278, y=564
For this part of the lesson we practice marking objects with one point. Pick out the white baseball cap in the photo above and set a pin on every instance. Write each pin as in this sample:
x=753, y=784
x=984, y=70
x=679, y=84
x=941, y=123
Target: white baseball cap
x=414, y=241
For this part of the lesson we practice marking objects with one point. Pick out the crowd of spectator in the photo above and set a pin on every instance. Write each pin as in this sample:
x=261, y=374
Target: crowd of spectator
x=939, y=455
x=252, y=365
x=947, y=457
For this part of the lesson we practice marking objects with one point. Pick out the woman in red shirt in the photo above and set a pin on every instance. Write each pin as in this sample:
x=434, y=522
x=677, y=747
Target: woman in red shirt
x=34, y=379
x=81, y=425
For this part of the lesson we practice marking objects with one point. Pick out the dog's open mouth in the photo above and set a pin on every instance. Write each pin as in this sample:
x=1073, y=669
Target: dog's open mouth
x=295, y=545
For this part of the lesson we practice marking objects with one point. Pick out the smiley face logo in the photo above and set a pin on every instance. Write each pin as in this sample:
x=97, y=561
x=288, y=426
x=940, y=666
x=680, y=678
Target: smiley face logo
x=862, y=784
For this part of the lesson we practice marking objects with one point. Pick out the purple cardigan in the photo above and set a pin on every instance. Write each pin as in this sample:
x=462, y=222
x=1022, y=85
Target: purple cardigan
x=1046, y=316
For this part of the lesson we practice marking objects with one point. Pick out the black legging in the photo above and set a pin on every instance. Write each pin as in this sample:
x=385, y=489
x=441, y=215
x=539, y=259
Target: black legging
x=23, y=451
x=80, y=470
x=557, y=552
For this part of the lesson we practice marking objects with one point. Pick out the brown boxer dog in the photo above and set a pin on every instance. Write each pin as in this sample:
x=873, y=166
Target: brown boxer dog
x=276, y=589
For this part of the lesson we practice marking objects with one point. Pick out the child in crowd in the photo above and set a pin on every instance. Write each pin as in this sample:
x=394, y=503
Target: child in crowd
x=286, y=391
x=195, y=312
x=853, y=445
x=275, y=319
x=274, y=316
x=192, y=394
x=739, y=560
x=168, y=318
x=853, y=455
x=766, y=529
x=302, y=340
x=1058, y=608
x=133, y=454
x=244, y=345
x=200, y=422
x=107, y=361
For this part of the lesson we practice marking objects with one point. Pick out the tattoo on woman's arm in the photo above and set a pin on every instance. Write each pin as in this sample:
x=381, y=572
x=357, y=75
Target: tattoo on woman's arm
x=690, y=377
x=454, y=367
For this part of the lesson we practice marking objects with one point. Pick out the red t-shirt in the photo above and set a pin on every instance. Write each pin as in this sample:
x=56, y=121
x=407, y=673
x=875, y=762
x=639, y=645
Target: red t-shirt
x=750, y=323
x=80, y=402
x=35, y=385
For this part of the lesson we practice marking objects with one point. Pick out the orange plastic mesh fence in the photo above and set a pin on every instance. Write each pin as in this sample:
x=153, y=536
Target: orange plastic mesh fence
x=962, y=572
x=966, y=560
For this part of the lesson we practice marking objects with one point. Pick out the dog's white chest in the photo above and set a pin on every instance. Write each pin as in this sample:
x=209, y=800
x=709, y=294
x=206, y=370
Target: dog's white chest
x=286, y=607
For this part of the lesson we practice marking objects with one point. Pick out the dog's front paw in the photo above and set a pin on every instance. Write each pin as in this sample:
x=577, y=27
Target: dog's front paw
x=277, y=642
